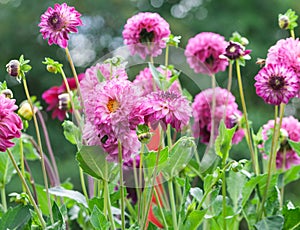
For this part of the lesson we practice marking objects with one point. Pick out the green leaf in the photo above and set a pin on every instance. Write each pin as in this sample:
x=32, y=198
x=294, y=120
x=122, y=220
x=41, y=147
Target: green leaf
x=196, y=193
x=295, y=146
x=291, y=217
x=273, y=202
x=92, y=160
x=15, y=218
x=270, y=223
x=7, y=169
x=3, y=85
x=74, y=195
x=179, y=156
x=193, y=220
x=223, y=141
x=292, y=174
x=72, y=132
x=149, y=161
x=98, y=219
x=59, y=223
x=234, y=191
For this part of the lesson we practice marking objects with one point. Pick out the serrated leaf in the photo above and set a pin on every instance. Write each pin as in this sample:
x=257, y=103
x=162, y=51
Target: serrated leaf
x=92, y=160
x=15, y=218
x=71, y=194
x=270, y=223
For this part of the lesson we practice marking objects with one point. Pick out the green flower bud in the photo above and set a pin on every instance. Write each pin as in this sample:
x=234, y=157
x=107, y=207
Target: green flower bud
x=25, y=111
x=13, y=68
x=52, y=69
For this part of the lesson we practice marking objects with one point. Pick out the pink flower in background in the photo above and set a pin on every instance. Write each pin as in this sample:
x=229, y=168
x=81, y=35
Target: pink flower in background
x=203, y=53
x=10, y=123
x=290, y=129
x=50, y=96
x=276, y=84
x=165, y=107
x=57, y=23
x=145, y=34
x=202, y=107
x=144, y=81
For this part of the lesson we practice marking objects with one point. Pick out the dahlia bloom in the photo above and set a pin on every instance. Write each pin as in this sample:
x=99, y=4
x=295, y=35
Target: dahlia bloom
x=165, y=107
x=144, y=81
x=108, y=117
x=286, y=52
x=10, y=123
x=51, y=97
x=203, y=53
x=57, y=23
x=291, y=129
x=202, y=114
x=145, y=34
x=276, y=84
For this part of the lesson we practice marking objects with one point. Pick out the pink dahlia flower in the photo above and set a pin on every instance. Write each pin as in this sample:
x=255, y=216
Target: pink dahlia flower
x=145, y=34
x=165, y=107
x=202, y=107
x=276, y=84
x=50, y=96
x=203, y=53
x=108, y=112
x=144, y=81
x=10, y=123
x=290, y=129
x=57, y=23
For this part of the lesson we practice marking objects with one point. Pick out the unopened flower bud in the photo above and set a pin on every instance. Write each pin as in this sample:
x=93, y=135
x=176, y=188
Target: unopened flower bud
x=13, y=68
x=25, y=111
x=64, y=101
x=283, y=22
x=7, y=92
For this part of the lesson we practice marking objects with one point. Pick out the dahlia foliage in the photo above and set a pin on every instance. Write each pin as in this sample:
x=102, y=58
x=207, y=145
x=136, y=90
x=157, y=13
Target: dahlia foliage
x=155, y=147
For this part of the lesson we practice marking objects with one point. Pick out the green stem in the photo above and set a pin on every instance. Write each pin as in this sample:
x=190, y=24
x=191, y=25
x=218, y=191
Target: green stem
x=283, y=170
x=22, y=160
x=3, y=198
x=173, y=205
x=248, y=133
x=140, y=183
x=82, y=181
x=30, y=197
x=224, y=196
x=75, y=75
x=228, y=88
x=107, y=200
x=121, y=185
x=40, y=149
x=160, y=209
x=212, y=131
x=292, y=33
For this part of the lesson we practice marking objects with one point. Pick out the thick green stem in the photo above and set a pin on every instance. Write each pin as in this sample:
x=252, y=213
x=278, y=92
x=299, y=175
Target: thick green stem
x=82, y=181
x=228, y=89
x=224, y=195
x=121, y=185
x=248, y=132
x=22, y=160
x=283, y=170
x=31, y=199
x=107, y=204
x=213, y=109
x=160, y=209
x=40, y=149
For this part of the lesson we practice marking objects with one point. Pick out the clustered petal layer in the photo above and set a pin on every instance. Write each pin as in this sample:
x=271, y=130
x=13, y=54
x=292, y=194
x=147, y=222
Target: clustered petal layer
x=10, y=123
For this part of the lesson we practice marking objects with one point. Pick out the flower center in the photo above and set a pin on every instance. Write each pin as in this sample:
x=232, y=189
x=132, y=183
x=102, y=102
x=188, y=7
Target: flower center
x=276, y=82
x=112, y=105
x=55, y=21
x=210, y=60
x=146, y=36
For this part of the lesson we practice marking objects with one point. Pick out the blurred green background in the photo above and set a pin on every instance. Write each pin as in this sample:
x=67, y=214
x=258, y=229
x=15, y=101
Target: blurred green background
x=102, y=32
